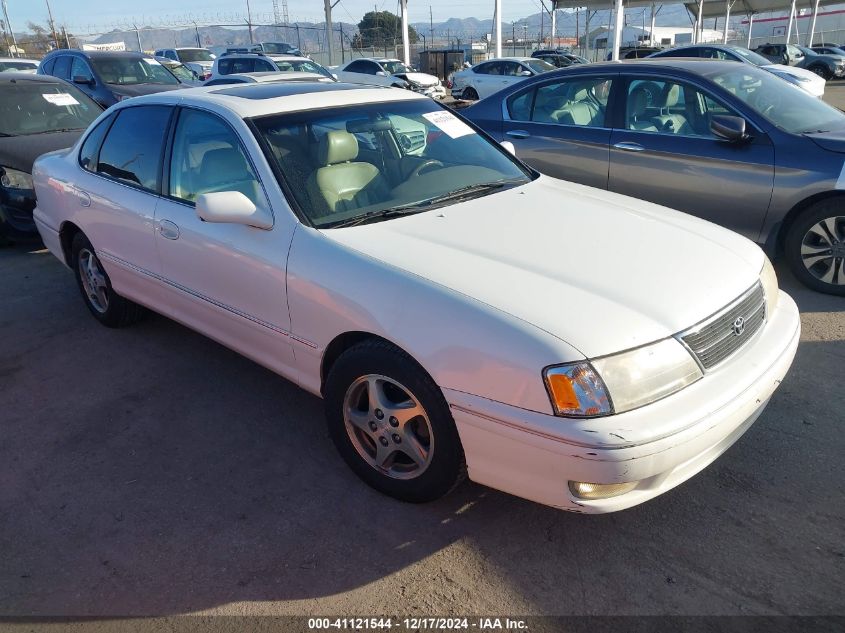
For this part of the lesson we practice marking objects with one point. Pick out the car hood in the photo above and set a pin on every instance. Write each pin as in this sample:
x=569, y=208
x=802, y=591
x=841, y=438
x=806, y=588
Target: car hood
x=143, y=89
x=601, y=271
x=422, y=79
x=833, y=141
x=792, y=70
x=20, y=152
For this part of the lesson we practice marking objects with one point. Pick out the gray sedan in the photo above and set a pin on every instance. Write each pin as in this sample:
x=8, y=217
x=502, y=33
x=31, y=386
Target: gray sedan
x=723, y=141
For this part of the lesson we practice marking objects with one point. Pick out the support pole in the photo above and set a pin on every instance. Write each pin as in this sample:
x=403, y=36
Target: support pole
x=791, y=19
x=498, y=27
x=617, y=28
x=328, y=4
x=587, y=34
x=249, y=21
x=699, y=24
x=554, y=24
x=138, y=36
x=13, y=53
x=728, y=6
x=750, y=25
x=406, y=39
x=651, y=29
x=812, y=33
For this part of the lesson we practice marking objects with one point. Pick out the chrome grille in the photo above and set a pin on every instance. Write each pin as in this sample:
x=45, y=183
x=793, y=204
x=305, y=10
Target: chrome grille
x=719, y=336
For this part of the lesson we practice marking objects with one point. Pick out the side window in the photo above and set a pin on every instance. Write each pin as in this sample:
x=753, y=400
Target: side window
x=668, y=107
x=371, y=69
x=132, y=150
x=91, y=146
x=62, y=67
x=357, y=67
x=207, y=158
x=171, y=55
x=581, y=102
x=519, y=106
x=262, y=65
x=512, y=69
x=224, y=67
x=243, y=65
x=47, y=67
x=482, y=69
x=80, y=69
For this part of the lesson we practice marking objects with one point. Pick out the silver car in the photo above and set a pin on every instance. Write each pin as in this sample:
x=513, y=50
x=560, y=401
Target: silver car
x=723, y=141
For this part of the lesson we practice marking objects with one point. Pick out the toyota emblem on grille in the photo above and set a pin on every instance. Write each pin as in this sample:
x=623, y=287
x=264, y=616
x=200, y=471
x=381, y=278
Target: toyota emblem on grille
x=739, y=326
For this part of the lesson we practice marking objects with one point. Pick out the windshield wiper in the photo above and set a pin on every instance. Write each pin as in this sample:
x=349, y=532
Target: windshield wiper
x=428, y=203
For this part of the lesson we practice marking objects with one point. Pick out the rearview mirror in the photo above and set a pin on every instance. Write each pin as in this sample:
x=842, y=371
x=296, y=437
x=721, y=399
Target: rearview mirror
x=232, y=207
x=85, y=81
x=728, y=128
x=509, y=147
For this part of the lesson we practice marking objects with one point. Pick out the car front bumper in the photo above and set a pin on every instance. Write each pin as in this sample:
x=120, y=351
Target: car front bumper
x=659, y=446
x=16, y=207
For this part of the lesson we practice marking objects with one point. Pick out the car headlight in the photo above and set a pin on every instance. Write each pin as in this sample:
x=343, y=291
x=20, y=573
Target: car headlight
x=621, y=382
x=769, y=280
x=14, y=179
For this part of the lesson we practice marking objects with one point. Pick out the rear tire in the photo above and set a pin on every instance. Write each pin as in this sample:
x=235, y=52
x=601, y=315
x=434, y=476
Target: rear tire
x=822, y=71
x=815, y=246
x=391, y=423
x=469, y=94
x=108, y=307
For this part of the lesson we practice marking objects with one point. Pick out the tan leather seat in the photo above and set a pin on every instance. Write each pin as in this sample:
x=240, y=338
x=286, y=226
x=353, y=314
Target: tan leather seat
x=667, y=122
x=342, y=182
x=580, y=110
x=637, y=111
x=547, y=104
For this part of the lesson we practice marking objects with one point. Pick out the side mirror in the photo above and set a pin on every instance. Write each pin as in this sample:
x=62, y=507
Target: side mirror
x=232, y=207
x=728, y=128
x=526, y=73
x=85, y=81
x=381, y=73
x=509, y=147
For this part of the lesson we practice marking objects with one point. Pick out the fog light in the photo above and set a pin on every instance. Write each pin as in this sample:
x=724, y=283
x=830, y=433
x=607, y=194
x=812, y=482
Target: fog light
x=584, y=490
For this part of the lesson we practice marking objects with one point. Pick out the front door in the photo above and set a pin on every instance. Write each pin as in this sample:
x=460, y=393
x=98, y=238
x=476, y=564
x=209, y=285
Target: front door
x=226, y=280
x=664, y=152
x=559, y=128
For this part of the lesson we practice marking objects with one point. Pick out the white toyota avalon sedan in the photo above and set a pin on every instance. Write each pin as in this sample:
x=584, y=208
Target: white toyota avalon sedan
x=457, y=312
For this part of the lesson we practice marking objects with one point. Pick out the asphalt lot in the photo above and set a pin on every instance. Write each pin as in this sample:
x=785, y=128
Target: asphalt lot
x=150, y=471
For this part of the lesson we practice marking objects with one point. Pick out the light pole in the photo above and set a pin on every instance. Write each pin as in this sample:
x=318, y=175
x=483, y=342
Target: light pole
x=11, y=30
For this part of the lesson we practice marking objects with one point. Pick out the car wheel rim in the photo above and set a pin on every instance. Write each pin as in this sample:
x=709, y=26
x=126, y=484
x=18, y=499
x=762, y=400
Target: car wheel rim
x=823, y=250
x=388, y=427
x=93, y=281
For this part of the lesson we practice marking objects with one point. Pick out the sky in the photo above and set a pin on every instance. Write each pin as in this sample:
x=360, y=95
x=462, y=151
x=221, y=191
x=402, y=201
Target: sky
x=85, y=15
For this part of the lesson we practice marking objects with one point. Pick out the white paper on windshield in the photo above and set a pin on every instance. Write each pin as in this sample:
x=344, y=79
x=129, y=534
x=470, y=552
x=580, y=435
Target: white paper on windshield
x=151, y=62
x=451, y=125
x=61, y=99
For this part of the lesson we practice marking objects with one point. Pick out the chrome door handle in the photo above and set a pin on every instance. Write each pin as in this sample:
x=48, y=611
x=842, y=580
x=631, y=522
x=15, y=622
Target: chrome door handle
x=517, y=134
x=630, y=147
x=168, y=230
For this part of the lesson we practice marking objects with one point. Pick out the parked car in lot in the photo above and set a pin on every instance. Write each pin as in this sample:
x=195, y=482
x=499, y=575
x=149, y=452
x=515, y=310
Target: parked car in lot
x=558, y=60
x=107, y=76
x=634, y=52
x=18, y=65
x=723, y=141
x=828, y=50
x=251, y=78
x=278, y=48
x=248, y=63
x=199, y=60
x=180, y=71
x=456, y=311
x=804, y=79
x=825, y=66
x=488, y=77
x=389, y=72
x=37, y=115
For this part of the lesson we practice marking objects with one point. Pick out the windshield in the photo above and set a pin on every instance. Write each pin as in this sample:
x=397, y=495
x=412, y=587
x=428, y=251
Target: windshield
x=29, y=107
x=367, y=162
x=277, y=47
x=182, y=72
x=395, y=67
x=788, y=107
x=131, y=71
x=538, y=65
x=302, y=66
x=195, y=55
x=13, y=65
x=809, y=52
x=751, y=56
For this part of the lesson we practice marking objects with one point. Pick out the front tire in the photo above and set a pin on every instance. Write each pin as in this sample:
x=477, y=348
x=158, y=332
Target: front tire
x=391, y=423
x=822, y=72
x=469, y=94
x=815, y=247
x=108, y=307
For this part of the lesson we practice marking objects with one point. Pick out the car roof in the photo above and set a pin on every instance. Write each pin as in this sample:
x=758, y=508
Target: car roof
x=19, y=59
x=509, y=59
x=691, y=65
x=100, y=54
x=10, y=75
x=272, y=75
x=252, y=100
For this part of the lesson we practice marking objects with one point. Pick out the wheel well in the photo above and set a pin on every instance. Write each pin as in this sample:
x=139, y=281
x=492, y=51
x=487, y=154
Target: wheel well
x=797, y=210
x=66, y=235
x=340, y=344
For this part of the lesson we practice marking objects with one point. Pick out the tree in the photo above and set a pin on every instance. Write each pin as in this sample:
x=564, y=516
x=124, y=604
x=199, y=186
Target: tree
x=381, y=29
x=40, y=40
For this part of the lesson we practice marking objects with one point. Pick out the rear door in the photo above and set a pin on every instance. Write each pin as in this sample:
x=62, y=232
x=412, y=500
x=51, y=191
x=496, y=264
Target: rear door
x=663, y=151
x=561, y=128
x=486, y=78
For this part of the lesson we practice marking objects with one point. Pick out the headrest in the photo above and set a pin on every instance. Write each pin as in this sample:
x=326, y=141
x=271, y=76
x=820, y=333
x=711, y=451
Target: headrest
x=580, y=94
x=338, y=146
x=637, y=101
x=672, y=96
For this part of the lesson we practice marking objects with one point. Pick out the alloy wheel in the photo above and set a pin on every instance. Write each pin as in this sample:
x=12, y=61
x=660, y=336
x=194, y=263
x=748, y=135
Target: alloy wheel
x=823, y=250
x=388, y=426
x=93, y=280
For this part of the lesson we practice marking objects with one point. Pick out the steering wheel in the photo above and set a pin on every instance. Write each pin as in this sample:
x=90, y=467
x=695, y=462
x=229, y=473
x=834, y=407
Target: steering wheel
x=56, y=120
x=418, y=170
x=766, y=102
